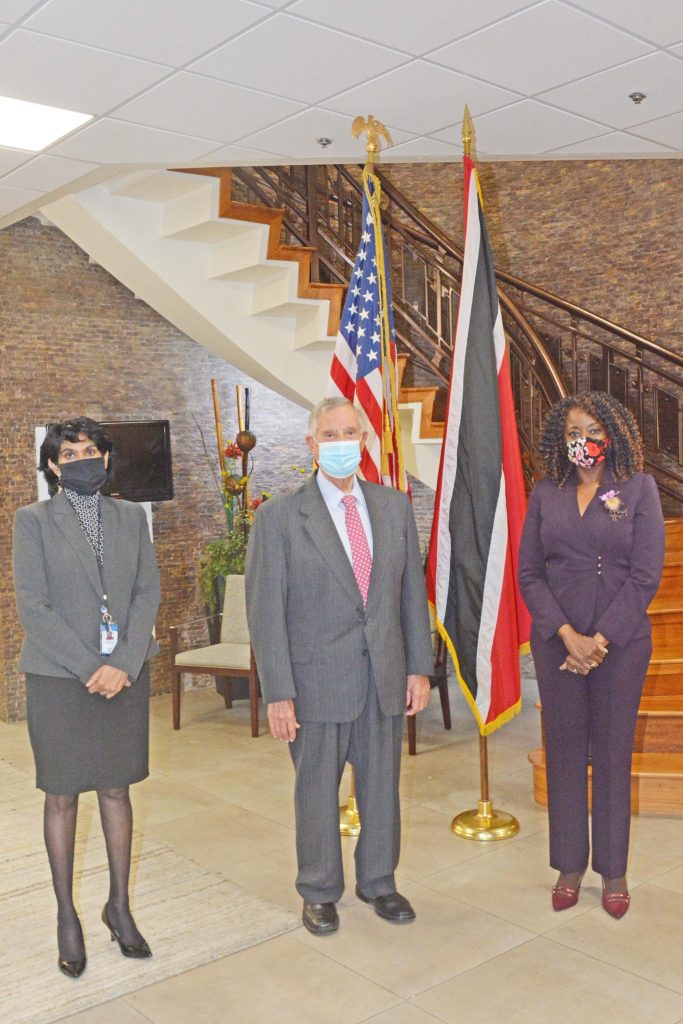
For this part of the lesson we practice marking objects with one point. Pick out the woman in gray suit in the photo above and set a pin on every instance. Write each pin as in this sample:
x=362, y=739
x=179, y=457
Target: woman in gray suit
x=87, y=590
x=590, y=562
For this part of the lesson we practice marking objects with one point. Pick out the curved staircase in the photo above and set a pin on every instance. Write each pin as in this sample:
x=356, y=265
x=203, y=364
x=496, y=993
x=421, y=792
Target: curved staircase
x=219, y=271
x=224, y=271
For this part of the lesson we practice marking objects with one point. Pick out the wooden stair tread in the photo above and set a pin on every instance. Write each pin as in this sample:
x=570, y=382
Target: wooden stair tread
x=333, y=293
x=273, y=217
x=671, y=706
x=648, y=765
x=671, y=664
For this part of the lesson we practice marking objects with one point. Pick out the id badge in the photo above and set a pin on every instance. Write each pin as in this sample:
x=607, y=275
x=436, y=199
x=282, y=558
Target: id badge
x=109, y=637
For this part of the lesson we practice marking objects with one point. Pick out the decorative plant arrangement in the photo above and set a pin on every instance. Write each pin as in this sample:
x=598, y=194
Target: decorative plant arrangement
x=225, y=556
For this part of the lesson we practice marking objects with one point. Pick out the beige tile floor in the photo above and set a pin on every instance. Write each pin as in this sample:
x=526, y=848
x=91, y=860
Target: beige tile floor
x=486, y=946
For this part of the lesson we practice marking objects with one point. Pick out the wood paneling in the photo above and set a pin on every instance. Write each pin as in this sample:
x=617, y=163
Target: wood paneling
x=656, y=783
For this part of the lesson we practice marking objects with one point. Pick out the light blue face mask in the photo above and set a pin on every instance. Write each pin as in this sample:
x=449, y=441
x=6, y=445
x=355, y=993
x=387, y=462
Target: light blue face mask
x=339, y=459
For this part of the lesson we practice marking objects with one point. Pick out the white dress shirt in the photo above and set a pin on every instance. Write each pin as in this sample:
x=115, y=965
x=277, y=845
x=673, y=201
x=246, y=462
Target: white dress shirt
x=332, y=496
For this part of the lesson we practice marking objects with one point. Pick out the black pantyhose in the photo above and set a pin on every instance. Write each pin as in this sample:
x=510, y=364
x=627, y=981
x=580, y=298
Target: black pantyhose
x=117, y=824
x=60, y=816
x=60, y=832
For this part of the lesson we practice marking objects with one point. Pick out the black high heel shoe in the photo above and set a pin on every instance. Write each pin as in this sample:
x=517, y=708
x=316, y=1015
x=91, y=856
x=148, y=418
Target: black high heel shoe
x=137, y=951
x=72, y=968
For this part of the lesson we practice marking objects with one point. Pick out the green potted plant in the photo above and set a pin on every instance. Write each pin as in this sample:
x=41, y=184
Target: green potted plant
x=223, y=557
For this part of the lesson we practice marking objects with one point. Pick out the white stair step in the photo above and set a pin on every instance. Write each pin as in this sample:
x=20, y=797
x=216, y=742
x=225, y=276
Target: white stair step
x=156, y=186
x=160, y=234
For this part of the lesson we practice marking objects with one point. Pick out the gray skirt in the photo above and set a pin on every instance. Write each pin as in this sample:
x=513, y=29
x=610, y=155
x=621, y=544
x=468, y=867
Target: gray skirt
x=82, y=741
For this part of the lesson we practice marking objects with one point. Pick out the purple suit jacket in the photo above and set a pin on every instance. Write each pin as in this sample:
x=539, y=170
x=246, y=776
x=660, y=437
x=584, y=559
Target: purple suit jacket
x=592, y=572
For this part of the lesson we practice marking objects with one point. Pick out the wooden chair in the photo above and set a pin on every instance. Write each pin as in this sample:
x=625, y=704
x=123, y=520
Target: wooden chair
x=233, y=656
x=439, y=679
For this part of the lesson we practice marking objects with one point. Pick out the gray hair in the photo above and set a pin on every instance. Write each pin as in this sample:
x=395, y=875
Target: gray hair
x=335, y=403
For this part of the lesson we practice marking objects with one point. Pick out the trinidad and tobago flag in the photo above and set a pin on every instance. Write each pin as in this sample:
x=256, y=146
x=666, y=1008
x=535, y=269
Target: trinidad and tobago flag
x=480, y=498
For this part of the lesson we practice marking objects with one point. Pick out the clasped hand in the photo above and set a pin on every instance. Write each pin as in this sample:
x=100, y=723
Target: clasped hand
x=108, y=681
x=583, y=652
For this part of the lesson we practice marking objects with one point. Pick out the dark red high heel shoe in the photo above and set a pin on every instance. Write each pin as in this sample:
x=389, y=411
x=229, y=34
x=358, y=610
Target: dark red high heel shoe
x=564, y=896
x=615, y=903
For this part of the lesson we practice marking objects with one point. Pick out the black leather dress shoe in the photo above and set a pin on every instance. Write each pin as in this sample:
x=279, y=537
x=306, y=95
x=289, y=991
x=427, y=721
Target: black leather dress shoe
x=392, y=906
x=320, y=918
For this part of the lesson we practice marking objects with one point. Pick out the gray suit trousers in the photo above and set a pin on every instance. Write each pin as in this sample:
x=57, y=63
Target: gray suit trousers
x=372, y=744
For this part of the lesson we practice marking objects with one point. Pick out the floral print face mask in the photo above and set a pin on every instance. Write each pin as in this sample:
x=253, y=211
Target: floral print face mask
x=585, y=453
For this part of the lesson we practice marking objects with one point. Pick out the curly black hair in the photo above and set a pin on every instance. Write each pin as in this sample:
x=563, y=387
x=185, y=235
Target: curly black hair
x=624, y=457
x=71, y=430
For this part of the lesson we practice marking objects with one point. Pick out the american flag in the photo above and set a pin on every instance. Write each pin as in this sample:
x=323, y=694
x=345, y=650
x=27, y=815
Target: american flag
x=364, y=366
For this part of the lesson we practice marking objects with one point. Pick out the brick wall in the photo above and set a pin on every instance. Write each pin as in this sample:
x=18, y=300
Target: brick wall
x=605, y=234
x=74, y=340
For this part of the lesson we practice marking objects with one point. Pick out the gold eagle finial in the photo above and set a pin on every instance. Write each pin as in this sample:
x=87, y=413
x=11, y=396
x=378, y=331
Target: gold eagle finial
x=375, y=131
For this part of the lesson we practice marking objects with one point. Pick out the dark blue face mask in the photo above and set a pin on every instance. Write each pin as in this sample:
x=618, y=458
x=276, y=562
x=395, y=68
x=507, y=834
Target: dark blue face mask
x=85, y=476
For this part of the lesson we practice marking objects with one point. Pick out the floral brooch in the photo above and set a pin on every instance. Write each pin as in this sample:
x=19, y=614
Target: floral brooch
x=612, y=503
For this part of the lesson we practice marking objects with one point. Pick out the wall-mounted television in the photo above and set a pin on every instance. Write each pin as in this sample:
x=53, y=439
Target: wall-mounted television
x=142, y=460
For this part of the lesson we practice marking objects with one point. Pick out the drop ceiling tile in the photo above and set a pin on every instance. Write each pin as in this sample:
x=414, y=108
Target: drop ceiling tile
x=142, y=30
x=525, y=129
x=117, y=142
x=423, y=149
x=540, y=48
x=13, y=10
x=296, y=59
x=605, y=96
x=420, y=26
x=61, y=74
x=48, y=172
x=11, y=158
x=206, y=108
x=420, y=97
x=660, y=22
x=296, y=137
x=667, y=130
x=612, y=144
x=13, y=198
x=240, y=156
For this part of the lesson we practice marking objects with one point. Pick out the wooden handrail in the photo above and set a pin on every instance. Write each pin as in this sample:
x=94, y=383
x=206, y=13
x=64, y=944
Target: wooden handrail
x=550, y=358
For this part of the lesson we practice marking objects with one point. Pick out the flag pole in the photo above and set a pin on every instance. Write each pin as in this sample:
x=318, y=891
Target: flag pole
x=349, y=819
x=484, y=824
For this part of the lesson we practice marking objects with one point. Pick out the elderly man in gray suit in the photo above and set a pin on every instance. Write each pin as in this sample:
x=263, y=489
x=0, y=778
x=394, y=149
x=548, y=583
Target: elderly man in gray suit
x=339, y=624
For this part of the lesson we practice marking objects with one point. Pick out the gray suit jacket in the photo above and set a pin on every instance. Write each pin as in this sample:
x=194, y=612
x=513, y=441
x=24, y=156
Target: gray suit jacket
x=59, y=592
x=312, y=638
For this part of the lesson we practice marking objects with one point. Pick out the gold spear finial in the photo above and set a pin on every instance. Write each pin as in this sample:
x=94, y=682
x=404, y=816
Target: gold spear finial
x=374, y=130
x=467, y=131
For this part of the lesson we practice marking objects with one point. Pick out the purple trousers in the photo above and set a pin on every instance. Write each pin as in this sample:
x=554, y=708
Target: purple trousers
x=590, y=715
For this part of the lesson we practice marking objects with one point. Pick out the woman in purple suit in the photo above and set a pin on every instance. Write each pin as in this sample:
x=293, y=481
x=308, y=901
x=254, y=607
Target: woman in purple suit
x=590, y=563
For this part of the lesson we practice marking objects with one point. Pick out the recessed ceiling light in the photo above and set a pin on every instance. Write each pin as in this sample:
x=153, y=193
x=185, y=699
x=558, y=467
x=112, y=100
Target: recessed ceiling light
x=33, y=126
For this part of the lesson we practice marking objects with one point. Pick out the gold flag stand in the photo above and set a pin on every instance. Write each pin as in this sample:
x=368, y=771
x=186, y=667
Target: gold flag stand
x=484, y=824
x=349, y=819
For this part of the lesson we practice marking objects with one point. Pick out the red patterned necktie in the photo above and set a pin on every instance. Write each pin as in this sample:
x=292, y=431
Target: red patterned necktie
x=360, y=551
